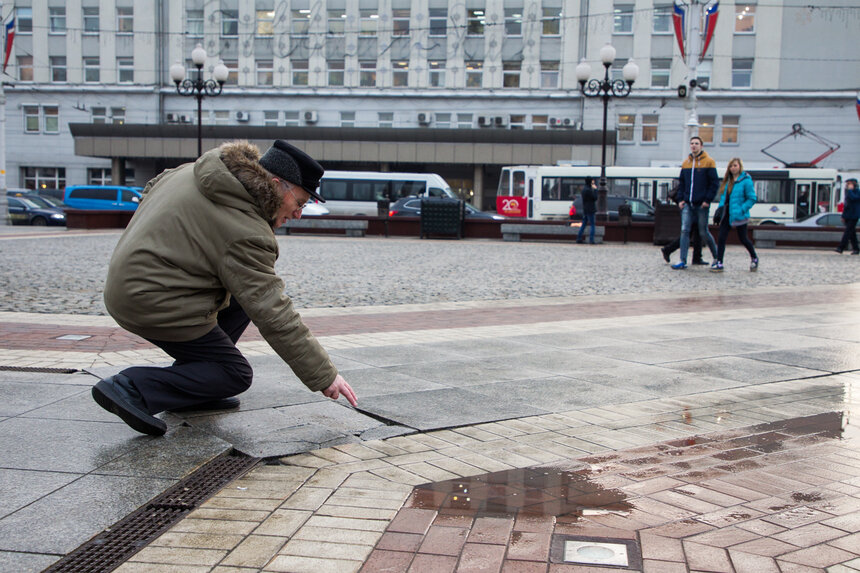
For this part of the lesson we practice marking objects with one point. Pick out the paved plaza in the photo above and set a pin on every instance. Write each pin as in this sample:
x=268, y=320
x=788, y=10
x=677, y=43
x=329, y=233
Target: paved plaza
x=527, y=407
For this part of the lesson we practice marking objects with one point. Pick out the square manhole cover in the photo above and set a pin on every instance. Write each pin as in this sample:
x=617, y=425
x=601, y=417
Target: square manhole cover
x=623, y=554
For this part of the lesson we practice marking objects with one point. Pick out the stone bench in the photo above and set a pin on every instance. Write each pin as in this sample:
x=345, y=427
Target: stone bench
x=353, y=228
x=514, y=231
x=768, y=238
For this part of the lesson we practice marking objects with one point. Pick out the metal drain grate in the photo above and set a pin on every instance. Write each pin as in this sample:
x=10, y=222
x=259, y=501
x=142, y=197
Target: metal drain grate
x=37, y=369
x=115, y=545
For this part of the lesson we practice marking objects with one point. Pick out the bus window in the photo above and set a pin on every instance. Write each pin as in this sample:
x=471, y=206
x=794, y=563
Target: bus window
x=505, y=183
x=406, y=188
x=519, y=184
x=333, y=189
x=436, y=192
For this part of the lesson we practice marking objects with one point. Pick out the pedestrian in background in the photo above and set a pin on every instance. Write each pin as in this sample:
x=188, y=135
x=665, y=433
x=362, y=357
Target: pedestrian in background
x=589, y=209
x=738, y=197
x=699, y=184
x=850, y=214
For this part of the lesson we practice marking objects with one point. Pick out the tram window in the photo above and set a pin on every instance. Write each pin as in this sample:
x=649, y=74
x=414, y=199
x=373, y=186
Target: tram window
x=644, y=191
x=626, y=187
x=773, y=191
x=561, y=188
x=505, y=183
x=824, y=196
x=519, y=184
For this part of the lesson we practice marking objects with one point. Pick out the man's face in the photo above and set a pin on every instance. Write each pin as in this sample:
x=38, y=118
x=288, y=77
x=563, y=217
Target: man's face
x=695, y=146
x=293, y=198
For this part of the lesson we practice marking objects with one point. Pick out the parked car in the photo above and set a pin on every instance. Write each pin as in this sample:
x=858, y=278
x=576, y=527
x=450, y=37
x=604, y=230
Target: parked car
x=27, y=211
x=102, y=197
x=40, y=200
x=411, y=207
x=642, y=211
x=819, y=220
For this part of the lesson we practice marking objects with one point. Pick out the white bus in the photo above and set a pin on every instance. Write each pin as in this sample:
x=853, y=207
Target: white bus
x=546, y=192
x=357, y=192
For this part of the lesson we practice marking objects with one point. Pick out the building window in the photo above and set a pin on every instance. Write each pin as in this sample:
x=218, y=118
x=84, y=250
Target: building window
x=475, y=22
x=335, y=72
x=98, y=176
x=649, y=127
x=744, y=18
x=124, y=20
x=91, y=20
x=300, y=23
x=551, y=22
x=703, y=74
x=540, y=122
x=117, y=115
x=660, y=73
x=369, y=21
x=438, y=21
x=347, y=119
x=623, y=19
x=265, y=73
x=57, y=20
x=742, y=73
x=511, y=74
x=99, y=114
x=626, y=123
x=436, y=69
x=661, y=23
x=386, y=119
x=514, y=21
x=464, y=121
x=291, y=118
x=222, y=116
x=125, y=70
x=58, y=68
x=518, y=121
x=44, y=177
x=400, y=73
x=229, y=23
x=270, y=118
x=730, y=128
x=336, y=22
x=232, y=72
x=443, y=120
x=400, y=22
x=194, y=23
x=91, y=70
x=367, y=74
x=300, y=72
x=25, y=68
x=706, y=128
x=474, y=74
x=24, y=20
x=265, y=23
x=549, y=75
x=31, y=119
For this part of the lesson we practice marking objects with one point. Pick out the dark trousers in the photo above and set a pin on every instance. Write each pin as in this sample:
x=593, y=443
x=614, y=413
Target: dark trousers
x=695, y=241
x=725, y=227
x=850, y=235
x=587, y=219
x=206, y=368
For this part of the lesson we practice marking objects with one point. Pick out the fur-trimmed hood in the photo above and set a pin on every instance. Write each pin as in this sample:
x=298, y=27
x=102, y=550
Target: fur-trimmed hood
x=250, y=182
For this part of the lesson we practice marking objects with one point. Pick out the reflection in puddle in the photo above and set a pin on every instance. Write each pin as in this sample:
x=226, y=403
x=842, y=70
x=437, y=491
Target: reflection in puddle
x=544, y=490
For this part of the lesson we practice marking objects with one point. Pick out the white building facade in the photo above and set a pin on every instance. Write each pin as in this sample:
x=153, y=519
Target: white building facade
x=485, y=65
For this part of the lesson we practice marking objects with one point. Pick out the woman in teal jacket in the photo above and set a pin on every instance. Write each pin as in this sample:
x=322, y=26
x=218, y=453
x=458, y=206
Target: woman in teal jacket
x=738, y=196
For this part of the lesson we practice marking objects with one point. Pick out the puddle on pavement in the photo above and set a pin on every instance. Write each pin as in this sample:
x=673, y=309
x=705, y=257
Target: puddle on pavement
x=543, y=490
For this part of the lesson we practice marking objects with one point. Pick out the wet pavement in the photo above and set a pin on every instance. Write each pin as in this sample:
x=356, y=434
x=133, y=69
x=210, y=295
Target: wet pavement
x=713, y=430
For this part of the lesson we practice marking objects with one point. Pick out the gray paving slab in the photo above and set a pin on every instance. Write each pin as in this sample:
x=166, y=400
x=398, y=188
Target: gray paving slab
x=25, y=562
x=486, y=348
x=748, y=369
x=558, y=394
x=847, y=333
x=95, y=501
x=333, y=415
x=79, y=406
x=434, y=409
x=460, y=373
x=382, y=356
x=837, y=357
x=22, y=487
x=563, y=340
x=653, y=380
x=370, y=382
x=22, y=397
x=565, y=362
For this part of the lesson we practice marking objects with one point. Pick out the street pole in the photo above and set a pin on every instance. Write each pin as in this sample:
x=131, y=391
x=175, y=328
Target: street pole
x=4, y=215
x=197, y=87
x=694, y=47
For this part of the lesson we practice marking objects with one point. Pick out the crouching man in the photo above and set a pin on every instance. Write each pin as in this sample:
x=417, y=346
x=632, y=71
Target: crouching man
x=195, y=265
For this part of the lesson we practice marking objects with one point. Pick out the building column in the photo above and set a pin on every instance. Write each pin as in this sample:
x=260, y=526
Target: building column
x=478, y=186
x=117, y=170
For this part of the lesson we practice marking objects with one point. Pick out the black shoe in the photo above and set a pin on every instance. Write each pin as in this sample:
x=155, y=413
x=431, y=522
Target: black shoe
x=701, y=262
x=838, y=250
x=855, y=252
x=665, y=255
x=116, y=395
x=230, y=403
x=579, y=241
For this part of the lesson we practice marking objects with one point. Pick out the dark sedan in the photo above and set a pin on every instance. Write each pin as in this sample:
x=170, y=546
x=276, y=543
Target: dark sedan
x=29, y=211
x=411, y=207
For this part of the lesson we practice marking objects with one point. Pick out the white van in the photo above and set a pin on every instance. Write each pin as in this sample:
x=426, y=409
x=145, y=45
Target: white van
x=357, y=192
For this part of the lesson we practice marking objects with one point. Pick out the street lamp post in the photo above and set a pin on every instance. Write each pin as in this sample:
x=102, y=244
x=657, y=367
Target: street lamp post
x=605, y=89
x=199, y=88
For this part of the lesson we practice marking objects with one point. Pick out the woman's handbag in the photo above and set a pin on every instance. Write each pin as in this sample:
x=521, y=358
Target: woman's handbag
x=718, y=215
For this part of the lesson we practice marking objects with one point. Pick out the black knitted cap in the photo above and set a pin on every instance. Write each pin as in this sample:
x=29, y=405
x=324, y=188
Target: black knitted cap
x=294, y=165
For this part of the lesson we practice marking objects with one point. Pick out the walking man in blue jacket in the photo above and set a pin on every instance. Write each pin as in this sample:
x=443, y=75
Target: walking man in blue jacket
x=699, y=184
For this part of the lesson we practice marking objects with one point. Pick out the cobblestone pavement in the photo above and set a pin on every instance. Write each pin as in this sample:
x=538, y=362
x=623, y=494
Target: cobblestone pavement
x=66, y=275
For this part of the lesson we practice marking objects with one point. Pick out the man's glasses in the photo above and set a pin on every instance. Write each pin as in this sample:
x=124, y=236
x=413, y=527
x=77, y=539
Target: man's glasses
x=301, y=204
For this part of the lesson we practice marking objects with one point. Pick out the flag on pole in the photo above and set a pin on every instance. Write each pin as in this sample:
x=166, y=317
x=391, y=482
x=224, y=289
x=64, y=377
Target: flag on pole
x=858, y=105
x=10, y=37
x=680, y=27
x=710, y=24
